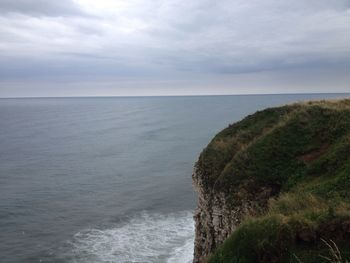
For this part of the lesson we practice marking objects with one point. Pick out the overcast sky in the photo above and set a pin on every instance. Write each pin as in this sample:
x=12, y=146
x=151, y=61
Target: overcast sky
x=173, y=47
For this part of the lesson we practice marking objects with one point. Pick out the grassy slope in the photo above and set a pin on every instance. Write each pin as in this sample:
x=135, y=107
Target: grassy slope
x=304, y=151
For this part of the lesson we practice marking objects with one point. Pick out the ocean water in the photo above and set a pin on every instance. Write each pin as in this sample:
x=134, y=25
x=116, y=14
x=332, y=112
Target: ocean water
x=107, y=179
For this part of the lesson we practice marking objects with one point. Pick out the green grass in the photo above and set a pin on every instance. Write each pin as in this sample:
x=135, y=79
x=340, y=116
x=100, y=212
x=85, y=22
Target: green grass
x=302, y=152
x=291, y=230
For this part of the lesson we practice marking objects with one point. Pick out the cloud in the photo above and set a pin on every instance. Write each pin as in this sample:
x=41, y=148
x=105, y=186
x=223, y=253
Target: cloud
x=142, y=39
x=40, y=7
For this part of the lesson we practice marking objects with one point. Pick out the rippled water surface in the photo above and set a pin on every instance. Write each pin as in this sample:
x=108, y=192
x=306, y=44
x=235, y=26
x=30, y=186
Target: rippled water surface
x=107, y=179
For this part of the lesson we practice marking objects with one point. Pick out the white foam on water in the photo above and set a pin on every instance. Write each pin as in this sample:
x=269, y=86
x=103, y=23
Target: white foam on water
x=154, y=238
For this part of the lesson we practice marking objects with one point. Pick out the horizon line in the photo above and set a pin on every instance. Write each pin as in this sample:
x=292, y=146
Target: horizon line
x=185, y=95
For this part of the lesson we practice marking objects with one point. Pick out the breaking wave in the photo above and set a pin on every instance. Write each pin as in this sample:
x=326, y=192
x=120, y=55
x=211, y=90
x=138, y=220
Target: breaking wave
x=147, y=237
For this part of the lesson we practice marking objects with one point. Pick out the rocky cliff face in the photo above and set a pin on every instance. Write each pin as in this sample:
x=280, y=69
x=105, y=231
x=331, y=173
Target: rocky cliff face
x=216, y=219
x=217, y=214
x=264, y=156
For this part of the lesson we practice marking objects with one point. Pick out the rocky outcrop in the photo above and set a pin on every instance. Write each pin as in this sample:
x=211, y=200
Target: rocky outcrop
x=270, y=154
x=216, y=219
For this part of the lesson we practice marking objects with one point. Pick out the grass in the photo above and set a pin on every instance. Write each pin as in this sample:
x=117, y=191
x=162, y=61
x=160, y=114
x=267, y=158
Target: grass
x=334, y=254
x=301, y=152
x=293, y=228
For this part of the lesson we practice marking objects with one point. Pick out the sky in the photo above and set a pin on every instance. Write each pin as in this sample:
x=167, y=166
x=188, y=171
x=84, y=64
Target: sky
x=173, y=47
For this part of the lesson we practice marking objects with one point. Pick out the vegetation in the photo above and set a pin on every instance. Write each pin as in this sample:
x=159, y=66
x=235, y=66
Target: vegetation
x=302, y=151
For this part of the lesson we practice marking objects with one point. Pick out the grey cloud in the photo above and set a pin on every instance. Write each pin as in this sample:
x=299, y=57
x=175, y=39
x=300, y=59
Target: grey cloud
x=150, y=38
x=257, y=36
x=40, y=7
x=71, y=67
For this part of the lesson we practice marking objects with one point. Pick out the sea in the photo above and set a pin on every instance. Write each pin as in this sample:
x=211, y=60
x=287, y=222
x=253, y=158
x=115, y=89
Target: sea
x=108, y=179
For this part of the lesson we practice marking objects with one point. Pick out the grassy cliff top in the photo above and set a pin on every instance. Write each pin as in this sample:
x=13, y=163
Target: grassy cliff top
x=302, y=151
x=298, y=145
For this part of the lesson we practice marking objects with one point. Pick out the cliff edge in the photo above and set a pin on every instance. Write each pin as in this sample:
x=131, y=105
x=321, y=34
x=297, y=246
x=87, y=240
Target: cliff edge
x=275, y=186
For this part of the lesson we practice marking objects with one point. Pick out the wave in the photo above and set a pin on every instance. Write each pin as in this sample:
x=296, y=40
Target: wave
x=147, y=237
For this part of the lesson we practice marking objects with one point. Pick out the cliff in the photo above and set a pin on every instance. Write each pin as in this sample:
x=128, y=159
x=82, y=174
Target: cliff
x=274, y=187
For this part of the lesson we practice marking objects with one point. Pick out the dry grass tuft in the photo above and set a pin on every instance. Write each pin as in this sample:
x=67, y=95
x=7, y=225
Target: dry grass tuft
x=334, y=256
